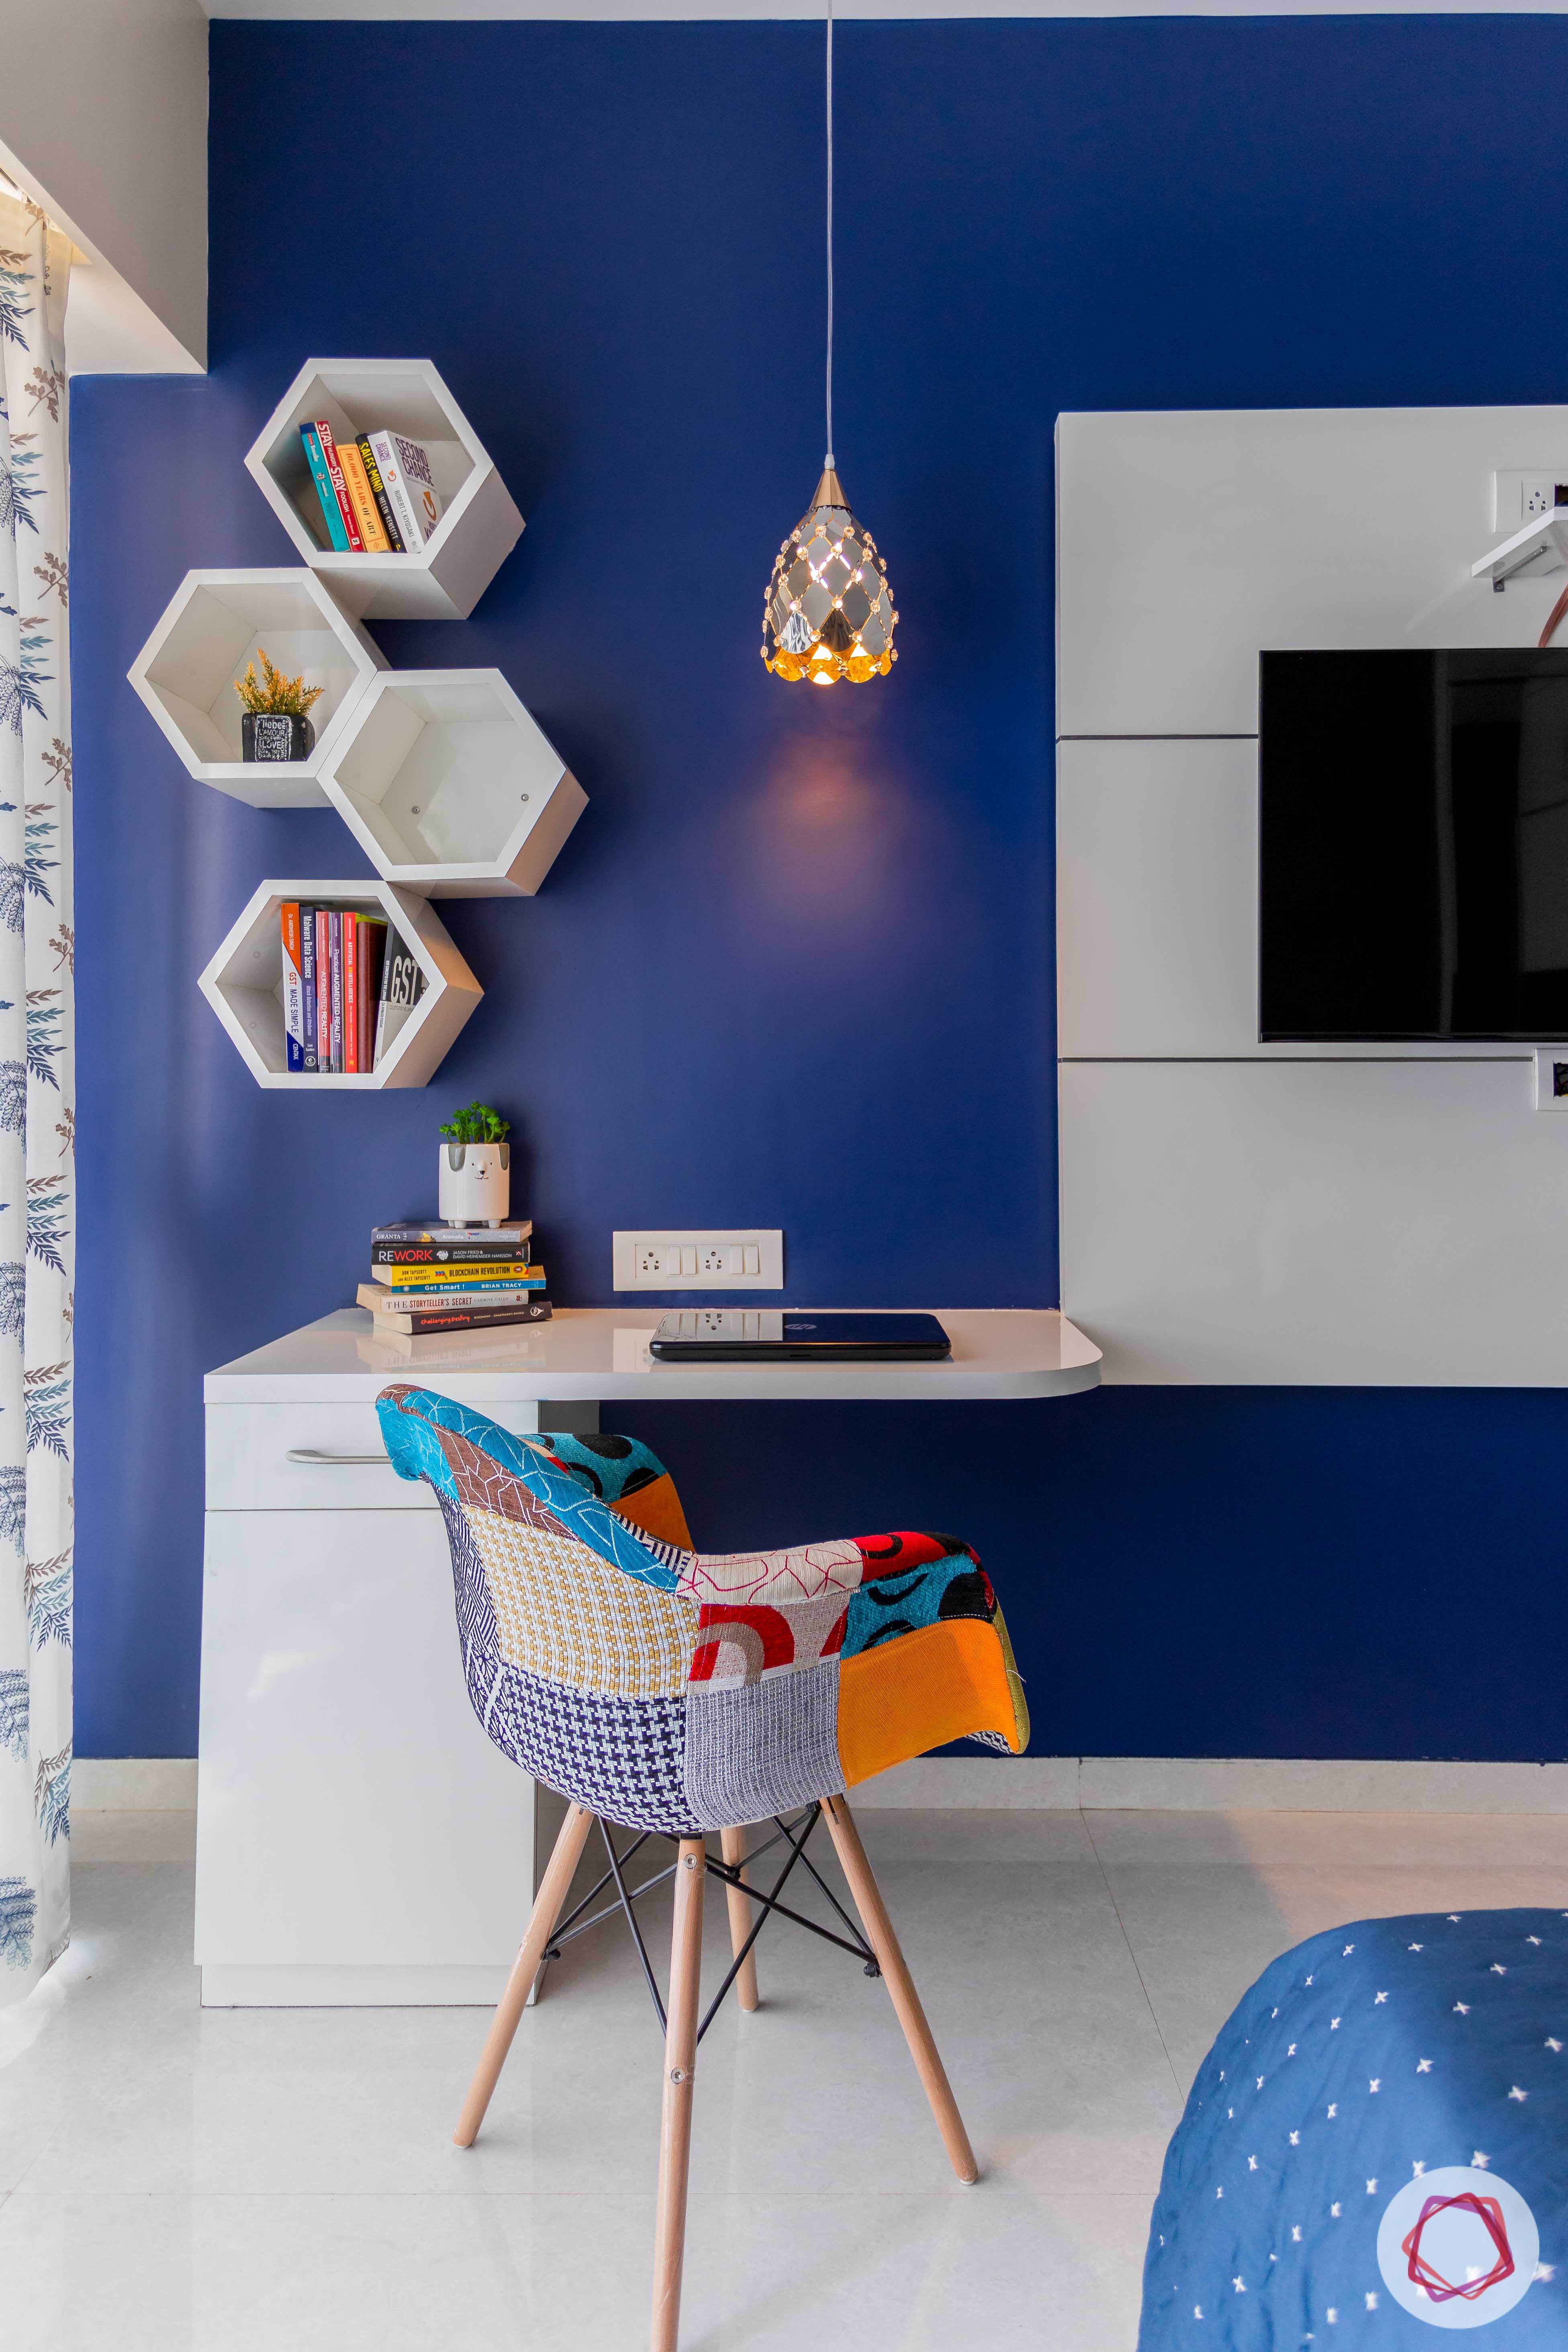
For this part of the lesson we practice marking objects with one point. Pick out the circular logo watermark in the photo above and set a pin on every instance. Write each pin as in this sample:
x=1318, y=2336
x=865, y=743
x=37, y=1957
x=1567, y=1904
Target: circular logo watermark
x=1458, y=2247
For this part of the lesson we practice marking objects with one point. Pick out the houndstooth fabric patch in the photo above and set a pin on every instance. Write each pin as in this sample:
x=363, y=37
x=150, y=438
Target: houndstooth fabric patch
x=763, y=1747
x=570, y=1617
x=623, y=1758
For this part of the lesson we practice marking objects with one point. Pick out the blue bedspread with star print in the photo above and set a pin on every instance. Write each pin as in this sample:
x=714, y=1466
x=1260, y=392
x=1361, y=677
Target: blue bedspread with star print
x=1375, y=2151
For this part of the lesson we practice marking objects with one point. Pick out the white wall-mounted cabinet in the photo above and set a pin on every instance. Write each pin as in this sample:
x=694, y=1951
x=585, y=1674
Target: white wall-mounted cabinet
x=214, y=626
x=449, y=786
x=479, y=527
x=1231, y=1210
x=244, y=985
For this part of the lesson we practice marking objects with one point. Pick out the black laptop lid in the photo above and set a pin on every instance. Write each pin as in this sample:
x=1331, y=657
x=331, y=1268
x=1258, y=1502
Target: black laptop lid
x=774, y=1334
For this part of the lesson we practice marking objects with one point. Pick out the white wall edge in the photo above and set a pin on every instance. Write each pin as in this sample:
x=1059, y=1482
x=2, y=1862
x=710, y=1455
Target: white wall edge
x=1218, y=1784
x=133, y=1784
x=1154, y=1784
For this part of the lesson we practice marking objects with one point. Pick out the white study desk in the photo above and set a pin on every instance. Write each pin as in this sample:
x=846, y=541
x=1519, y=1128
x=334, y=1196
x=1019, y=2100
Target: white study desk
x=359, y=1839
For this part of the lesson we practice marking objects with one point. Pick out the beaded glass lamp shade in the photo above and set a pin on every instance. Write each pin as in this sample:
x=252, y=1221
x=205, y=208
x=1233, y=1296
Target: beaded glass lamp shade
x=829, y=607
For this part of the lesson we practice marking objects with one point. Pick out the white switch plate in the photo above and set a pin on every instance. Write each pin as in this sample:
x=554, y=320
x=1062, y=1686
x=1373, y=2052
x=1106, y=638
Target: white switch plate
x=724, y=1257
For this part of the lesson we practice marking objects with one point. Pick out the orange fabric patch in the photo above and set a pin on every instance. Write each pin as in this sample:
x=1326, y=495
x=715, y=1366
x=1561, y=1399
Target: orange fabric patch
x=945, y=1682
x=656, y=1511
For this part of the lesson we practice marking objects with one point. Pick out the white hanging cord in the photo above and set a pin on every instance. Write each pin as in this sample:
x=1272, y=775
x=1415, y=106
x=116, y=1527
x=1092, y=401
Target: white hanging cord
x=829, y=461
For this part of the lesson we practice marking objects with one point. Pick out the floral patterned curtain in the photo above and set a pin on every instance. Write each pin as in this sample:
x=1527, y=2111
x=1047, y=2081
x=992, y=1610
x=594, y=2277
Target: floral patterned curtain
x=37, y=1116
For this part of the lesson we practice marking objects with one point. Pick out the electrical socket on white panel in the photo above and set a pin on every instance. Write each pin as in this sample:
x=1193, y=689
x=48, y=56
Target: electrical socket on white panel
x=1519, y=498
x=724, y=1258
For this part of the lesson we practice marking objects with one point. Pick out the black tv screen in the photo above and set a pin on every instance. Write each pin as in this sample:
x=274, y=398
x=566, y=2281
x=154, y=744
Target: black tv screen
x=1413, y=845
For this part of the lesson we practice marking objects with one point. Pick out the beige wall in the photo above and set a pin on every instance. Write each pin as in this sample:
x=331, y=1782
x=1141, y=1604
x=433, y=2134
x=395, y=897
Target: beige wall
x=103, y=120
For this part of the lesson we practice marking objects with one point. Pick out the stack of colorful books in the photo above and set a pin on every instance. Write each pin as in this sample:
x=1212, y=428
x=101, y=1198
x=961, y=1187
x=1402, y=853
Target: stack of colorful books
x=348, y=985
x=434, y=1278
x=376, y=491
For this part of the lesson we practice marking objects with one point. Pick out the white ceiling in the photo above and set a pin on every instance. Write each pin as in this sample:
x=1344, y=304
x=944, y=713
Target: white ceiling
x=602, y=12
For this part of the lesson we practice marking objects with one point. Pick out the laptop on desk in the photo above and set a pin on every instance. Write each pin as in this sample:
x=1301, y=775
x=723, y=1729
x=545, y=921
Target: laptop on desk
x=769, y=1335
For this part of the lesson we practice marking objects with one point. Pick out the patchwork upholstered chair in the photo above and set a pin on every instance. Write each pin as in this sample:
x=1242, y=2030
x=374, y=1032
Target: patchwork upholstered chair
x=677, y=1693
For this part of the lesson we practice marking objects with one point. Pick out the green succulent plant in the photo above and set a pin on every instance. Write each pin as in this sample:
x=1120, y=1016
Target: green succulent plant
x=477, y=1124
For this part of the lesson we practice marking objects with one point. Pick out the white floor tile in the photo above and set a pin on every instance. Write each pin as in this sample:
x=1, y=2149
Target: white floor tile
x=172, y=2177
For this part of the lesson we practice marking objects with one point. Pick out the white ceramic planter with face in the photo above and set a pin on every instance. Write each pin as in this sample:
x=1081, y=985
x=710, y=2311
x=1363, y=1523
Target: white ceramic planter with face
x=475, y=1183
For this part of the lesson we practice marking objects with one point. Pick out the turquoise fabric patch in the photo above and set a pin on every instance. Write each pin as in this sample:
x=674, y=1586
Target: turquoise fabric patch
x=414, y=1451
x=610, y=1467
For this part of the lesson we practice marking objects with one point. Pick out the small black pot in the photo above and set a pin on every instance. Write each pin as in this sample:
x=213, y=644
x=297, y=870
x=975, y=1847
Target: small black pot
x=274, y=735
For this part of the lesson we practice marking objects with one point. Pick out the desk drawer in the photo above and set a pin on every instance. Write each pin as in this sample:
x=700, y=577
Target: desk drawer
x=316, y=1457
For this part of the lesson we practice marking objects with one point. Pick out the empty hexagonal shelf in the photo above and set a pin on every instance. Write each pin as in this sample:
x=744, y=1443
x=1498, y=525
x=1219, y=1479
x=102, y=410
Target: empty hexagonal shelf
x=479, y=525
x=449, y=786
x=244, y=985
x=216, y=623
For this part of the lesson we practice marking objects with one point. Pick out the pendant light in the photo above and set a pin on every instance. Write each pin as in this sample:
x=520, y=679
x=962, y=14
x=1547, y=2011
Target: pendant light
x=828, y=613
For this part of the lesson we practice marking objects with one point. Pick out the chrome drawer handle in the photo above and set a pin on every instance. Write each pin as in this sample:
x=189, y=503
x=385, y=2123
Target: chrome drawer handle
x=331, y=1460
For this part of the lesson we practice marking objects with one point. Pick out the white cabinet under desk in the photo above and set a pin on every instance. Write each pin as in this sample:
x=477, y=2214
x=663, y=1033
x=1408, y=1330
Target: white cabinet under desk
x=359, y=1839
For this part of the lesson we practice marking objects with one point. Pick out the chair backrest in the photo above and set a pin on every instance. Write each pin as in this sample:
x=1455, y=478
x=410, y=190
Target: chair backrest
x=577, y=1646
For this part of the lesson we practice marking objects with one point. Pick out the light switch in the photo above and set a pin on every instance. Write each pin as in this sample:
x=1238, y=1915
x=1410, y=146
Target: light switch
x=748, y=1257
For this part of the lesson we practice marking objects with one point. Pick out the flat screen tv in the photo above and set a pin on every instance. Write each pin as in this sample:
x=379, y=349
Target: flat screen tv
x=1413, y=845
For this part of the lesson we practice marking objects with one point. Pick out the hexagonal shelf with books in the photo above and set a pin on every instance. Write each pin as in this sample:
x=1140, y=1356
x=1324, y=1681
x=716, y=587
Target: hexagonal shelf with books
x=216, y=623
x=244, y=985
x=477, y=525
x=449, y=785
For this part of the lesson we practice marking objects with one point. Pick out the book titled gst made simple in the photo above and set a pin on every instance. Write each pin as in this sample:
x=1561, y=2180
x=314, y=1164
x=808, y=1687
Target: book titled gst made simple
x=293, y=986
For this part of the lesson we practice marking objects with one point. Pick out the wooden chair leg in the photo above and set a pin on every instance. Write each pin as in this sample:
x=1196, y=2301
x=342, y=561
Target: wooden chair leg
x=900, y=1985
x=542, y=1920
x=679, y=2063
x=732, y=1844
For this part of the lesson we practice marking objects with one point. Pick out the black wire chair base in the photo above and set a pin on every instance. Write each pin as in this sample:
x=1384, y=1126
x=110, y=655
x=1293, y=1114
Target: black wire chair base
x=795, y=1834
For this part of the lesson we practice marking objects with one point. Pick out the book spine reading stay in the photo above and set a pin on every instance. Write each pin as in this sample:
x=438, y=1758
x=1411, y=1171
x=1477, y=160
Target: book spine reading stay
x=370, y=946
x=340, y=488
x=293, y=988
x=331, y=513
x=378, y=492
x=365, y=507
x=323, y=990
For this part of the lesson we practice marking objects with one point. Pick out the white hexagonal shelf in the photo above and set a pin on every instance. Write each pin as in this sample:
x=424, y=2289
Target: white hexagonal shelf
x=216, y=624
x=244, y=985
x=479, y=527
x=449, y=785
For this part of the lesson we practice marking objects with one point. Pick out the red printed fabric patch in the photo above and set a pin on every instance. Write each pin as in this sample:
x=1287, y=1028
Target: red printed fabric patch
x=739, y=1642
x=891, y=1555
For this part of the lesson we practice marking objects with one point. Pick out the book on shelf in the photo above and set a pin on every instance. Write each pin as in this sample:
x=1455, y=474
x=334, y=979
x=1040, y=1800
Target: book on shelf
x=333, y=463
x=413, y=1245
x=333, y=961
x=383, y=506
x=293, y=988
x=367, y=513
x=410, y=486
x=516, y=1274
x=320, y=474
x=401, y=985
x=419, y=1319
x=376, y=491
x=370, y=946
x=380, y=1300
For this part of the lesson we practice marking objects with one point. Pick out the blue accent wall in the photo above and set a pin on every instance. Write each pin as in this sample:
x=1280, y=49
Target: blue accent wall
x=794, y=966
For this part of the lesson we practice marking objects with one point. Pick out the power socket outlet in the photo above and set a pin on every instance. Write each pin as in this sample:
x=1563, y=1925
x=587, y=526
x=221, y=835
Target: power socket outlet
x=729, y=1258
x=1524, y=497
